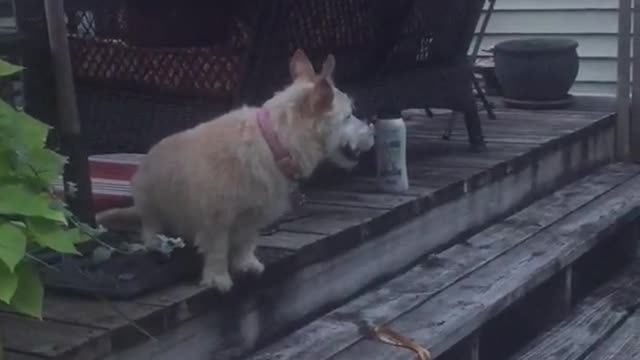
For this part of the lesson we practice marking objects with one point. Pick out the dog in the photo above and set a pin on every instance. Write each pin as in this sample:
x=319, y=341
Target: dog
x=219, y=182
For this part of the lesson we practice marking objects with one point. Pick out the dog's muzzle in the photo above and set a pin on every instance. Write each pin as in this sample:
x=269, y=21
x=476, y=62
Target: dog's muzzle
x=350, y=153
x=360, y=143
x=355, y=139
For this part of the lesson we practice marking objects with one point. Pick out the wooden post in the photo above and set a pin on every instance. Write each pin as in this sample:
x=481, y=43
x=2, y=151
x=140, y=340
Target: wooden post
x=634, y=119
x=77, y=169
x=563, y=297
x=624, y=69
x=474, y=347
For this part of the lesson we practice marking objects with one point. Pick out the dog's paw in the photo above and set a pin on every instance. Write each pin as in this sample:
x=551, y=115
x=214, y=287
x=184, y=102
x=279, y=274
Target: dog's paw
x=220, y=282
x=249, y=265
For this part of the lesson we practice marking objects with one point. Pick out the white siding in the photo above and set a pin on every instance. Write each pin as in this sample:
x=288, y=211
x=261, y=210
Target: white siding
x=593, y=23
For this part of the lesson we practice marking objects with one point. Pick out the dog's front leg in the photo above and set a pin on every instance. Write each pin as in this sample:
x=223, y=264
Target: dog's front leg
x=214, y=246
x=242, y=255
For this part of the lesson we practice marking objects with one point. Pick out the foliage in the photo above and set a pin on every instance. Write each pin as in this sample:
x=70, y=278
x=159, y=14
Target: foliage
x=31, y=217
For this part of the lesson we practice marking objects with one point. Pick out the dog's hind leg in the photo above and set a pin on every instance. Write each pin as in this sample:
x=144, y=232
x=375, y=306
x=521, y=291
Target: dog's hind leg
x=151, y=227
x=242, y=252
x=214, y=246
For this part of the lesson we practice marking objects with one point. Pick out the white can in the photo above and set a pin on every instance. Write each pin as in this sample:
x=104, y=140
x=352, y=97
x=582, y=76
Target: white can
x=391, y=155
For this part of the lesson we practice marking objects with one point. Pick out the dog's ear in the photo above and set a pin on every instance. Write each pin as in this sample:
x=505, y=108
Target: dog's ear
x=321, y=96
x=328, y=66
x=300, y=67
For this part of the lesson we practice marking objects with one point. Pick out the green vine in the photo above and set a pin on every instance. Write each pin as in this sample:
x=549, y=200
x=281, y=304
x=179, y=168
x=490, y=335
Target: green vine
x=31, y=216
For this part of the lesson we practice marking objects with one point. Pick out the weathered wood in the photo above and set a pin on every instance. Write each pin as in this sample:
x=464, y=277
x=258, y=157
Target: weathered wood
x=623, y=344
x=289, y=241
x=116, y=317
x=626, y=93
x=306, y=280
x=331, y=220
x=337, y=331
x=473, y=348
x=426, y=175
x=362, y=200
x=10, y=355
x=77, y=168
x=517, y=119
x=553, y=127
x=562, y=295
x=592, y=321
x=310, y=289
x=494, y=155
x=480, y=296
x=369, y=185
x=52, y=339
x=467, y=349
x=93, y=313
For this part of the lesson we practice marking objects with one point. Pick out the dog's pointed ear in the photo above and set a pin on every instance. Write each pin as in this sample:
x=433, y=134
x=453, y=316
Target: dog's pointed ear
x=328, y=66
x=322, y=95
x=319, y=99
x=300, y=67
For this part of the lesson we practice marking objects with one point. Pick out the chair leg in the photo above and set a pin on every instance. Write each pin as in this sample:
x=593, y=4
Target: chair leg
x=448, y=131
x=429, y=113
x=474, y=130
x=483, y=97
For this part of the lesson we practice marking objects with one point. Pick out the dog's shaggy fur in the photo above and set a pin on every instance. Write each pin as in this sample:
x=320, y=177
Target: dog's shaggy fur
x=217, y=184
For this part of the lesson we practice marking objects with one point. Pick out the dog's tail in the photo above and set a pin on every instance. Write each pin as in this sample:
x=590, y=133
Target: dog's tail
x=120, y=218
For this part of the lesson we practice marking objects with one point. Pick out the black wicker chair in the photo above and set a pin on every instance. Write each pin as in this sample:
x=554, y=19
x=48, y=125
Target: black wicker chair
x=147, y=68
x=390, y=55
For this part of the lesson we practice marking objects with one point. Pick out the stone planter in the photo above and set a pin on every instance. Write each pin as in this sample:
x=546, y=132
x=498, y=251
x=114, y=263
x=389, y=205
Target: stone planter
x=536, y=71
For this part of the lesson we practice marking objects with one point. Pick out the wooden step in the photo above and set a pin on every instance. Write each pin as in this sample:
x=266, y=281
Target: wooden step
x=445, y=302
x=604, y=326
x=346, y=239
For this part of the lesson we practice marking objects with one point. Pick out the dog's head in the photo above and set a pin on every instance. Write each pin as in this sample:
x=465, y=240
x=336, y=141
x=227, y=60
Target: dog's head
x=329, y=111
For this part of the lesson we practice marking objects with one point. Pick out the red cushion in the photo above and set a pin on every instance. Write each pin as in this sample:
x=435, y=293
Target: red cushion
x=110, y=176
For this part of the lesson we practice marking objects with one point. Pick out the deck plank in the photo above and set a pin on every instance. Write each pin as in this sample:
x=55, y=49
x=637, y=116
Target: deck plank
x=10, y=355
x=592, y=321
x=362, y=200
x=51, y=339
x=369, y=185
x=92, y=313
x=330, y=220
x=623, y=344
x=289, y=241
x=338, y=329
x=478, y=297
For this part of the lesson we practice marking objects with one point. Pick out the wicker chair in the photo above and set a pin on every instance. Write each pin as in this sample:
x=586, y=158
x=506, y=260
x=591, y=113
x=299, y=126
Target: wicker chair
x=390, y=55
x=147, y=68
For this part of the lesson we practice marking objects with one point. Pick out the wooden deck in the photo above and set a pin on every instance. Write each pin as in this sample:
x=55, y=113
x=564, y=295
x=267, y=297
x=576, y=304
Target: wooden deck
x=529, y=154
x=486, y=297
x=604, y=326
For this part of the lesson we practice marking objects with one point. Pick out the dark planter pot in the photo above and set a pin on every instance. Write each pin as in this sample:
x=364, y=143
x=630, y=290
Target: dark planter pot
x=537, y=70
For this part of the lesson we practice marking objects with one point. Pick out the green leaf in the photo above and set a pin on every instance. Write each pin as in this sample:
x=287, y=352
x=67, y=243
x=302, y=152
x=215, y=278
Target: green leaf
x=13, y=243
x=34, y=132
x=19, y=199
x=43, y=163
x=52, y=235
x=8, y=284
x=7, y=69
x=7, y=161
x=21, y=131
x=89, y=232
x=30, y=292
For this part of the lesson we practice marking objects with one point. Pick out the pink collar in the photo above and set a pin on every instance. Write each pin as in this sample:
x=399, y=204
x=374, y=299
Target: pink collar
x=280, y=153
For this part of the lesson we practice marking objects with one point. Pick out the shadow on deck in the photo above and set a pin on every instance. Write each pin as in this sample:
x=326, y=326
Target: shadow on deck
x=347, y=238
